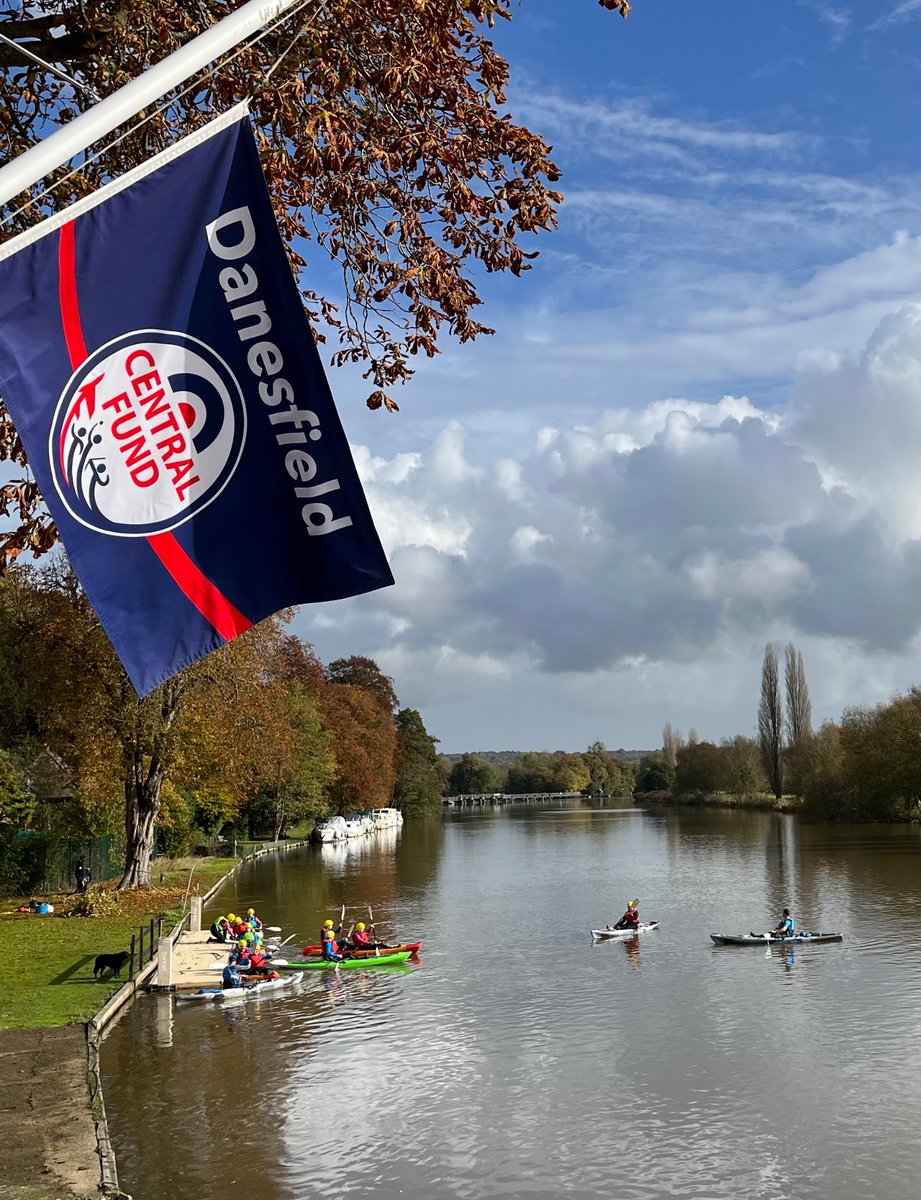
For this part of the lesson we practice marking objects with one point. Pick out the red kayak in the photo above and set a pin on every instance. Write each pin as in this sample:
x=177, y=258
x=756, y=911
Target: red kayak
x=412, y=947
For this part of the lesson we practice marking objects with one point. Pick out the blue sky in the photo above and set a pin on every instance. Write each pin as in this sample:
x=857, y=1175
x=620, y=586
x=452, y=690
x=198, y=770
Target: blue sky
x=697, y=427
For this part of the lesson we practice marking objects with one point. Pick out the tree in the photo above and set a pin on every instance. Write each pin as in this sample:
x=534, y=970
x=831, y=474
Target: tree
x=799, y=706
x=472, y=776
x=384, y=136
x=419, y=776
x=654, y=774
x=744, y=772
x=700, y=768
x=770, y=721
x=672, y=741
x=17, y=805
x=798, y=718
x=365, y=741
x=209, y=729
x=362, y=672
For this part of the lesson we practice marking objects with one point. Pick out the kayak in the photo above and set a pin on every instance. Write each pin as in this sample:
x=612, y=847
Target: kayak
x=768, y=939
x=412, y=947
x=610, y=932
x=237, y=993
x=316, y=964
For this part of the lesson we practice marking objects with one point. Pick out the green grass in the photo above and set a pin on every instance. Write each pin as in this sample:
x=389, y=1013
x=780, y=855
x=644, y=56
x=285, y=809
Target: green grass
x=48, y=961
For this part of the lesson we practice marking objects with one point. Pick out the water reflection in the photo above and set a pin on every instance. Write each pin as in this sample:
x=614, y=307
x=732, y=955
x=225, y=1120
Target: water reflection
x=506, y=1064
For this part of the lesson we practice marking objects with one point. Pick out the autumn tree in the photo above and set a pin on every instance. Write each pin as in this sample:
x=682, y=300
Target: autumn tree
x=771, y=721
x=208, y=730
x=365, y=743
x=385, y=139
x=359, y=671
x=672, y=741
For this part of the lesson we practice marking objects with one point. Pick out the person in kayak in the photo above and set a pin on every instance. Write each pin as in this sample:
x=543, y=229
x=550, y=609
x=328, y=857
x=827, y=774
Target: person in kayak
x=364, y=938
x=329, y=942
x=231, y=978
x=786, y=926
x=631, y=918
x=240, y=958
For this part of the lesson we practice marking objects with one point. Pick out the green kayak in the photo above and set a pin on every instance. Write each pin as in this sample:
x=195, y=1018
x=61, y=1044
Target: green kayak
x=320, y=964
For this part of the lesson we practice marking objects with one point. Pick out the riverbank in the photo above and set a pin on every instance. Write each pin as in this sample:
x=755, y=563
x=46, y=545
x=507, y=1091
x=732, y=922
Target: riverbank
x=51, y=1101
x=758, y=803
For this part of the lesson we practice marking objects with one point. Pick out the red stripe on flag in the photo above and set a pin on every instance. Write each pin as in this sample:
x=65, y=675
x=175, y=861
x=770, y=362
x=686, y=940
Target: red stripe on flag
x=211, y=603
x=70, y=306
x=192, y=582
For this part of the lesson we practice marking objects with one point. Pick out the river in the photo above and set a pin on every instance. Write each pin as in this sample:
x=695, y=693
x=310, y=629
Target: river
x=519, y=1059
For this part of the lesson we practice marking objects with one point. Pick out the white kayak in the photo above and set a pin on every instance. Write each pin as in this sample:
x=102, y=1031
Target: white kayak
x=610, y=932
x=237, y=993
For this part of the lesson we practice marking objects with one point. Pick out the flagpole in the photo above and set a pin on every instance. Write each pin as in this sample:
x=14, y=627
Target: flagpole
x=125, y=103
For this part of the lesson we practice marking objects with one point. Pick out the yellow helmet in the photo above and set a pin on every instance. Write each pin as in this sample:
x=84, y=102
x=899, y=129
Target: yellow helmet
x=241, y=944
x=231, y=917
x=360, y=926
x=327, y=924
x=250, y=912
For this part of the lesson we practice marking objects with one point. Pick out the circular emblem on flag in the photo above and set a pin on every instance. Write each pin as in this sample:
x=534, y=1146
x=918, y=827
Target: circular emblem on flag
x=148, y=431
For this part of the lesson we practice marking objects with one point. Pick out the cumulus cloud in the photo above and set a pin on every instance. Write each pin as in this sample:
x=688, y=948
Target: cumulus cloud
x=665, y=534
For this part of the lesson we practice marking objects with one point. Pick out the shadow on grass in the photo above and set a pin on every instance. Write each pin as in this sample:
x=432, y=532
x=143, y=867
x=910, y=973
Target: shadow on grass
x=66, y=976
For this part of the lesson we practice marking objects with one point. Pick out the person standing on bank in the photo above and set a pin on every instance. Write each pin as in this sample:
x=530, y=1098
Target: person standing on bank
x=84, y=875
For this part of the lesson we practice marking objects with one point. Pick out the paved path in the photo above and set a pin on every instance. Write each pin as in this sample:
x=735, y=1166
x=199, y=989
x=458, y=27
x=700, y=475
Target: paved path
x=49, y=1136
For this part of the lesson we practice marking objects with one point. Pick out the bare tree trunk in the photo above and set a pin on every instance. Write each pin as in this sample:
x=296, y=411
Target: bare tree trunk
x=672, y=742
x=770, y=721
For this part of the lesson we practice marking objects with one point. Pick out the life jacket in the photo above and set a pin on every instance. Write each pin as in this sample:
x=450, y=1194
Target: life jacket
x=361, y=938
x=257, y=960
x=329, y=943
x=231, y=978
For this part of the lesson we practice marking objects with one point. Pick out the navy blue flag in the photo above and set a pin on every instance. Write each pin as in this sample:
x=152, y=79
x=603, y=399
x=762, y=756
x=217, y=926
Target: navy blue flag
x=157, y=362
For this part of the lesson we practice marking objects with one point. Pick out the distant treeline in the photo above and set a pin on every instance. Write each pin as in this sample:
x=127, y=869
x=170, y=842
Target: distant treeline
x=864, y=767
x=596, y=770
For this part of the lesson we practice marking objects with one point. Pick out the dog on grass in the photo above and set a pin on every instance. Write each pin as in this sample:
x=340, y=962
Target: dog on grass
x=112, y=962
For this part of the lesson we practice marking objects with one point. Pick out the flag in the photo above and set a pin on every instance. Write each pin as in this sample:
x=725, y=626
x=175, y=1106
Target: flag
x=157, y=362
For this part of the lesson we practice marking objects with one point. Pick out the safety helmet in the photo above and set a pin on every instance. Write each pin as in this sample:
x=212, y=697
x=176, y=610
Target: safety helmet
x=327, y=924
x=250, y=912
x=241, y=944
x=360, y=926
x=231, y=917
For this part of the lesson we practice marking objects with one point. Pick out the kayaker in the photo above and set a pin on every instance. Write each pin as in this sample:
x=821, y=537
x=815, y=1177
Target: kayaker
x=786, y=926
x=253, y=919
x=631, y=917
x=231, y=978
x=241, y=955
x=259, y=964
x=328, y=940
x=364, y=938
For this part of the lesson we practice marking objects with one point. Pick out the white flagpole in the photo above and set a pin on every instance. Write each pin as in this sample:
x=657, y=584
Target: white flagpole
x=118, y=108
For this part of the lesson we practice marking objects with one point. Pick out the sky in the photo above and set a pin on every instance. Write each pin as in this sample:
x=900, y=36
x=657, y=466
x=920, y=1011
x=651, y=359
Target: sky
x=697, y=428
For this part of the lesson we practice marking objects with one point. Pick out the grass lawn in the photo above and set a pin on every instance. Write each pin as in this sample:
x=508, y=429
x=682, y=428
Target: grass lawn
x=48, y=961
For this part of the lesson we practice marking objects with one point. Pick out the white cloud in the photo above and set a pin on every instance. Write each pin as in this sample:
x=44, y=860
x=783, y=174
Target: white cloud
x=662, y=540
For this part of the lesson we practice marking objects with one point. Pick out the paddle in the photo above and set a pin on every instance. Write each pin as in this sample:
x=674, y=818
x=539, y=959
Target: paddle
x=272, y=928
x=377, y=949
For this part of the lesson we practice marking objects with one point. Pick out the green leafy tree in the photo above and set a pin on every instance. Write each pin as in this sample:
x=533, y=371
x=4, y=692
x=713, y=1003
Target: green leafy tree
x=654, y=774
x=700, y=767
x=473, y=776
x=420, y=780
x=17, y=804
x=744, y=773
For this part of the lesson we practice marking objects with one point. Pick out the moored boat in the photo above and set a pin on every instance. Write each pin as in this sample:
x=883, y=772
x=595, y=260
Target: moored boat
x=331, y=830
x=770, y=939
x=412, y=947
x=374, y=960
x=610, y=932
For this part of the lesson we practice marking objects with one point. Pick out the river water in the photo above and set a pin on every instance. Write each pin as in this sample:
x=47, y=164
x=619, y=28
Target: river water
x=519, y=1059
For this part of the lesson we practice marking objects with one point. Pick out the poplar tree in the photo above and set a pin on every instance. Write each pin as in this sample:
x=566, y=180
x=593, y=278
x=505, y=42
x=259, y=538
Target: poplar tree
x=771, y=721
